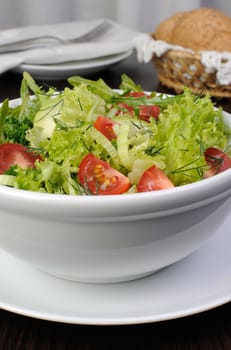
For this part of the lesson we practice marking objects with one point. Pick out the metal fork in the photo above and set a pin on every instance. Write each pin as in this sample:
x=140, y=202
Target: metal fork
x=48, y=40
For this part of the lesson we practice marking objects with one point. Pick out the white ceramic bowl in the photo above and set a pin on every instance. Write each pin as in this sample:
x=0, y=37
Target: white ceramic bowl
x=112, y=238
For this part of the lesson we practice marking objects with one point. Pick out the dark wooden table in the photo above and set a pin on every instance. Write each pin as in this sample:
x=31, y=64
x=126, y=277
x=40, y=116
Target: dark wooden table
x=209, y=330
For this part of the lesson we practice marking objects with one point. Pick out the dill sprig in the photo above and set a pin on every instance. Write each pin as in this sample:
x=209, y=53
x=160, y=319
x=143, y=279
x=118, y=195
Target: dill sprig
x=160, y=100
x=186, y=168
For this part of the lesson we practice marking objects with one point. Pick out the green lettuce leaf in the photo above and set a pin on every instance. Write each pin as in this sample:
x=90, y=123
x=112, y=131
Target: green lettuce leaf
x=185, y=129
x=80, y=103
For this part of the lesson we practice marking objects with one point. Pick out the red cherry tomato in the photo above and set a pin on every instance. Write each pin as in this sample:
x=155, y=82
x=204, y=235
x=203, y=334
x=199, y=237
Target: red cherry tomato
x=99, y=177
x=153, y=179
x=146, y=112
x=15, y=154
x=137, y=94
x=217, y=160
x=124, y=108
x=105, y=126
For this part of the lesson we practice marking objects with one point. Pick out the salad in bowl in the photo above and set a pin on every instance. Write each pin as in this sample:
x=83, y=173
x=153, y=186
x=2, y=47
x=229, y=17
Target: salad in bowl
x=100, y=185
x=92, y=140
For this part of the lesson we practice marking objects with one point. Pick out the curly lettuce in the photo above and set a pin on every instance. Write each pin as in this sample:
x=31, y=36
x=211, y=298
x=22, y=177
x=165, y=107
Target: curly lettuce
x=61, y=128
x=185, y=129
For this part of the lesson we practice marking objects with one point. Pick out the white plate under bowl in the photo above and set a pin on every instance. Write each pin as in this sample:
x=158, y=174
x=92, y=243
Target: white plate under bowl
x=197, y=283
x=64, y=70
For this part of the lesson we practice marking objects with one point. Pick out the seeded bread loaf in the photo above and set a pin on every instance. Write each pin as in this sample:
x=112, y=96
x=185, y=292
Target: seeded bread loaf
x=199, y=29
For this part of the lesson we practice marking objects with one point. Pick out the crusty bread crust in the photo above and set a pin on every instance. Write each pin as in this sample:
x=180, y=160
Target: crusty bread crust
x=165, y=28
x=199, y=29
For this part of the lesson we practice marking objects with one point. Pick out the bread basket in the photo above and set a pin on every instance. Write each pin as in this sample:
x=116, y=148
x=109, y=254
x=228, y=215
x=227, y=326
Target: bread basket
x=177, y=69
x=191, y=49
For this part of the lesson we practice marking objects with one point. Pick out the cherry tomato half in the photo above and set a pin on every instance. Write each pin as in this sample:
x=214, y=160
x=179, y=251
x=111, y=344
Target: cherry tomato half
x=15, y=154
x=99, y=177
x=217, y=160
x=105, y=126
x=124, y=108
x=146, y=112
x=137, y=94
x=153, y=179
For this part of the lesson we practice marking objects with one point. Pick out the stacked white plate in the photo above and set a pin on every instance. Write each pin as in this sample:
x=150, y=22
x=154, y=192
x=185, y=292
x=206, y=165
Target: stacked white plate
x=64, y=70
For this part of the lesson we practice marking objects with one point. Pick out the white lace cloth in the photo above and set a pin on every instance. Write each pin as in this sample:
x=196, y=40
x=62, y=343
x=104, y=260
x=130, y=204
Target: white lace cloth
x=219, y=62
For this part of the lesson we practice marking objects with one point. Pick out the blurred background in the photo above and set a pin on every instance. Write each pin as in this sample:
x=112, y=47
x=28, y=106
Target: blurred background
x=138, y=14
